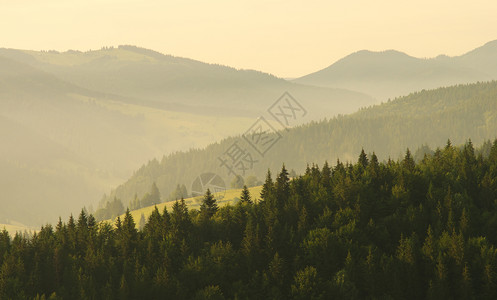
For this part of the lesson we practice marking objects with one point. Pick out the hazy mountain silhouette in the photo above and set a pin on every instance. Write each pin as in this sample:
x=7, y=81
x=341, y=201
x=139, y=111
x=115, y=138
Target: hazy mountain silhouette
x=391, y=73
x=74, y=124
x=181, y=84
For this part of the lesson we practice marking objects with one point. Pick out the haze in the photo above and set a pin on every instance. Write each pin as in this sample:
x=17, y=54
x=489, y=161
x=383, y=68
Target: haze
x=285, y=38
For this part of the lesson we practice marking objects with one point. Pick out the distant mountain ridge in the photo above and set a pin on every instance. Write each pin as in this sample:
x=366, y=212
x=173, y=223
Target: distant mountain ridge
x=100, y=114
x=76, y=123
x=388, y=74
x=163, y=81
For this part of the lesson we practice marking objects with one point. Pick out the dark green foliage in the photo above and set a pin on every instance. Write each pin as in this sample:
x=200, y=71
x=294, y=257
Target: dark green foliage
x=424, y=118
x=245, y=196
x=209, y=206
x=371, y=230
x=267, y=187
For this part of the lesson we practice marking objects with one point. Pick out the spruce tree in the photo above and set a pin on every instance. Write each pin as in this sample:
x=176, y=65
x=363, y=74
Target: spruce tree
x=326, y=176
x=282, y=187
x=363, y=159
x=179, y=220
x=267, y=187
x=209, y=206
x=245, y=196
x=408, y=161
x=374, y=166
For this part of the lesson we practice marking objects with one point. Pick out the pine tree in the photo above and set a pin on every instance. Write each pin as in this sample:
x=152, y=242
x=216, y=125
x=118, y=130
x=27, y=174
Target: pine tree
x=339, y=168
x=267, y=187
x=408, y=161
x=209, y=206
x=374, y=167
x=245, y=196
x=71, y=232
x=128, y=236
x=180, y=220
x=326, y=176
x=282, y=187
x=154, y=224
x=363, y=159
x=307, y=170
x=4, y=244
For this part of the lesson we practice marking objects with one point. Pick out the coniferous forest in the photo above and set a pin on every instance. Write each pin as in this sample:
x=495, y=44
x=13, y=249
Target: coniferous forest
x=369, y=229
x=423, y=118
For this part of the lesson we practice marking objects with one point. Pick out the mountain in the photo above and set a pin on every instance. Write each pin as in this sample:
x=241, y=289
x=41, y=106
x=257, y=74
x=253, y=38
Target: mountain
x=483, y=58
x=74, y=124
x=43, y=171
x=389, y=74
x=426, y=118
x=146, y=77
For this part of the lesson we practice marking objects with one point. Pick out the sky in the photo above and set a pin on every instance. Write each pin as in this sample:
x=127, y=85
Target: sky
x=286, y=38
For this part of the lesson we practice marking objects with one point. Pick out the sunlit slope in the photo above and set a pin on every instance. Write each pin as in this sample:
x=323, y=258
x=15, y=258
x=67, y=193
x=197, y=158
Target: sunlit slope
x=63, y=146
x=430, y=117
x=229, y=197
x=13, y=229
x=84, y=121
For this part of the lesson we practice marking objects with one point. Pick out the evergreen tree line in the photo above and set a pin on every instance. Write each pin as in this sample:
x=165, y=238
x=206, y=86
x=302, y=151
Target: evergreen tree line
x=114, y=208
x=423, y=118
x=111, y=209
x=391, y=230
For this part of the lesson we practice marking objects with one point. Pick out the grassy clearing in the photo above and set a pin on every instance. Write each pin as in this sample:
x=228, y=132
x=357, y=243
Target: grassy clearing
x=227, y=198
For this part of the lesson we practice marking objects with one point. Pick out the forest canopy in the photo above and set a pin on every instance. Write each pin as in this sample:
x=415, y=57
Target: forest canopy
x=424, y=118
x=369, y=229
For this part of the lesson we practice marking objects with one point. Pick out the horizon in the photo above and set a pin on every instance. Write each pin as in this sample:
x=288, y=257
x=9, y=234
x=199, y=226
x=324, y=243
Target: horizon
x=260, y=70
x=255, y=35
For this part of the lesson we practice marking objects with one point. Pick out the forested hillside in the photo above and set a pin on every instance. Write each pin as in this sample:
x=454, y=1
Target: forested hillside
x=426, y=118
x=74, y=124
x=393, y=230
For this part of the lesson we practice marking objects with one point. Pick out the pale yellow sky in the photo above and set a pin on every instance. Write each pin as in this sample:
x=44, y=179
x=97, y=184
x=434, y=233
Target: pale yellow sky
x=286, y=38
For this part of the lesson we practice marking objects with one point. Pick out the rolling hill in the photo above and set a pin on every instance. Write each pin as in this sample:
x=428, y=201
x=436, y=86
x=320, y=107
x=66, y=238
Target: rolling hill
x=74, y=124
x=391, y=73
x=428, y=118
x=146, y=77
